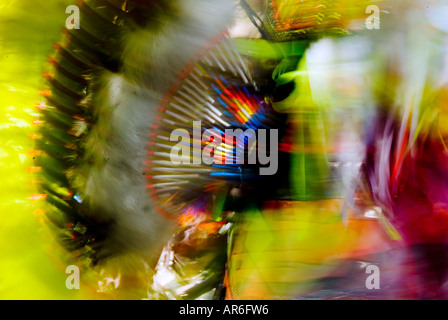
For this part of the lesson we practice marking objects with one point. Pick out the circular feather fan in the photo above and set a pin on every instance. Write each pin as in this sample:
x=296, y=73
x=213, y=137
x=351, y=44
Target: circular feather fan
x=216, y=92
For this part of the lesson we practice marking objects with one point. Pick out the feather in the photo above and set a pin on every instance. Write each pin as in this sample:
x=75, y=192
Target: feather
x=124, y=59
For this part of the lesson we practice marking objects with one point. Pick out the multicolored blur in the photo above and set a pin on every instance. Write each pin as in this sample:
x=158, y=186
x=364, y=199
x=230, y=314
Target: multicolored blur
x=92, y=207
